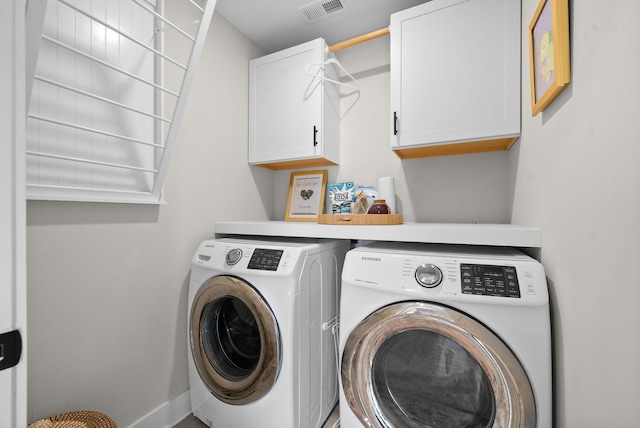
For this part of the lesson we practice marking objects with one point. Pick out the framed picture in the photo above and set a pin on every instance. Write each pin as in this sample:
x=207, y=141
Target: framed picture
x=548, y=53
x=306, y=195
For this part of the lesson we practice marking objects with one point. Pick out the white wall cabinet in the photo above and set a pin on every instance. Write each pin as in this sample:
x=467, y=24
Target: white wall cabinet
x=455, y=77
x=294, y=117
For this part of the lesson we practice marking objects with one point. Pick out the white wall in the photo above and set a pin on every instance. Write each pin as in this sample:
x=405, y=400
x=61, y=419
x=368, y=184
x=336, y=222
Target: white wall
x=107, y=283
x=577, y=178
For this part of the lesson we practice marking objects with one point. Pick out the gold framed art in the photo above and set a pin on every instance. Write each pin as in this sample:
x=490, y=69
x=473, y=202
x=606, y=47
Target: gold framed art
x=548, y=53
x=306, y=195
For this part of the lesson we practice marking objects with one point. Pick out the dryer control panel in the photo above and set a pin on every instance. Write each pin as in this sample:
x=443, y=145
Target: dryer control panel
x=489, y=280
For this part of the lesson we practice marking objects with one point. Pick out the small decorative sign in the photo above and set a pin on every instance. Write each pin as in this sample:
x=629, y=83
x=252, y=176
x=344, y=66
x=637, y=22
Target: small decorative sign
x=306, y=195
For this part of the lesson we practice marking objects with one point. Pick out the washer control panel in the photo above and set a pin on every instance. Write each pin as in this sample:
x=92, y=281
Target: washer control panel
x=447, y=273
x=265, y=259
x=489, y=280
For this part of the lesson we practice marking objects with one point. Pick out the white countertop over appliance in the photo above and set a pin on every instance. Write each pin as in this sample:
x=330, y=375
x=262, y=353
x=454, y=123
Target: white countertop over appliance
x=508, y=235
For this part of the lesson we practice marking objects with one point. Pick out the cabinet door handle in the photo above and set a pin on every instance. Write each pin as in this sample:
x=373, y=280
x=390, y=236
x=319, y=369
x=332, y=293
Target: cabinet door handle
x=10, y=349
x=315, y=135
x=395, y=123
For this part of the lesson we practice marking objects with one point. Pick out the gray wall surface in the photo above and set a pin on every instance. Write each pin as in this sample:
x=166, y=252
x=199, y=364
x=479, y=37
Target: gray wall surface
x=577, y=178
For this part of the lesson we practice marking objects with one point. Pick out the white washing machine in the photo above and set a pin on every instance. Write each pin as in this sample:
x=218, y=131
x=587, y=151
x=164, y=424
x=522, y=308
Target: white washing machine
x=444, y=336
x=262, y=330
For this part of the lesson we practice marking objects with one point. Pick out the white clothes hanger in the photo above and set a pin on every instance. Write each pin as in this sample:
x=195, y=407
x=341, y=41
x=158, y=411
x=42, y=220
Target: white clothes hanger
x=321, y=65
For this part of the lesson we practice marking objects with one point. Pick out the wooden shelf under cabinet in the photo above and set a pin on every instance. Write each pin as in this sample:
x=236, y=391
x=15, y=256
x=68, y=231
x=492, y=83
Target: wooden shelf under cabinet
x=455, y=149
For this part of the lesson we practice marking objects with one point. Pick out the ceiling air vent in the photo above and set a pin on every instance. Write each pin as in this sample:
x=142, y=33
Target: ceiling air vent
x=321, y=10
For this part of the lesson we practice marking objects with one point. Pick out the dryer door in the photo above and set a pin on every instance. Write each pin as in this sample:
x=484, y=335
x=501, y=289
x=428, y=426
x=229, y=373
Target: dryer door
x=235, y=340
x=416, y=364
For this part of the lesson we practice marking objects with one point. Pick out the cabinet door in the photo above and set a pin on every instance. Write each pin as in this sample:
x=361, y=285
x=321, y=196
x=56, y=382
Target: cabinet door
x=455, y=72
x=285, y=105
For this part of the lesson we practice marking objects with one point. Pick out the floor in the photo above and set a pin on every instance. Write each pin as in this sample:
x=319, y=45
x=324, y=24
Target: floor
x=193, y=422
x=190, y=422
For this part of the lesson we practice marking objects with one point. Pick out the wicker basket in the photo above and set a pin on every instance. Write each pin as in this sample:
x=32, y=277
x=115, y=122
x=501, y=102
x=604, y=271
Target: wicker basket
x=79, y=419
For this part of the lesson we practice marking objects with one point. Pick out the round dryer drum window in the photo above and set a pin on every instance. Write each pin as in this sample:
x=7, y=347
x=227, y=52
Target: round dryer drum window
x=235, y=340
x=417, y=364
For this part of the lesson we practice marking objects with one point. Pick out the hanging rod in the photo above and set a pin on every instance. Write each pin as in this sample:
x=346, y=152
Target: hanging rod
x=94, y=131
x=89, y=189
x=360, y=39
x=165, y=20
x=106, y=64
x=89, y=161
x=98, y=97
x=126, y=36
x=197, y=6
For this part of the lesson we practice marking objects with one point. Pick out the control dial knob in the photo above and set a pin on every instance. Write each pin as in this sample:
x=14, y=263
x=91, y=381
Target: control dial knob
x=233, y=256
x=428, y=275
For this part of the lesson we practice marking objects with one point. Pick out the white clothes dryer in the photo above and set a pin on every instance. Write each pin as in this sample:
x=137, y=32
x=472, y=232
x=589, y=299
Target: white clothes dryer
x=444, y=336
x=262, y=332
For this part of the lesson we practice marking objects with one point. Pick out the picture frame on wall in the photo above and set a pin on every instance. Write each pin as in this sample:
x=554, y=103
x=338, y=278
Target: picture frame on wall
x=549, y=57
x=306, y=195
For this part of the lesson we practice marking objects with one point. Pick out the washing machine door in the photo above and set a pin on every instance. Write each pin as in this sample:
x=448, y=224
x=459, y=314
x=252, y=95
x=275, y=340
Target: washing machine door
x=235, y=340
x=417, y=364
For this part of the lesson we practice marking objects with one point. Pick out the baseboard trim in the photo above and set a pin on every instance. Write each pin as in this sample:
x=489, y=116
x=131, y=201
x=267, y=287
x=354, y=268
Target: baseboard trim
x=166, y=415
